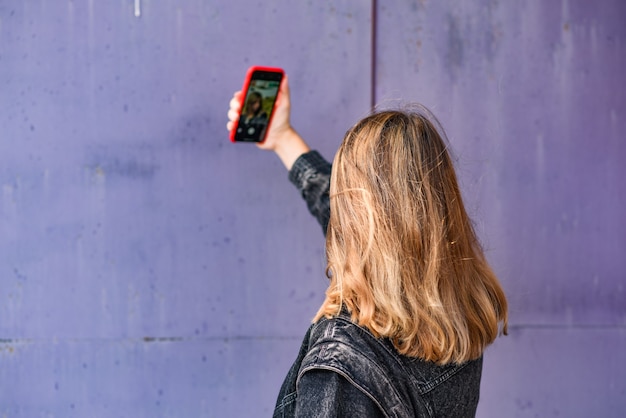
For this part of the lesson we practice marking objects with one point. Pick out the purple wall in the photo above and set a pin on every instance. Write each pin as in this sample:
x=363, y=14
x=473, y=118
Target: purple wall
x=151, y=268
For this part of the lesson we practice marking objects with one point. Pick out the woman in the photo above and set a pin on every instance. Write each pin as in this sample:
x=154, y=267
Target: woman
x=412, y=302
x=253, y=113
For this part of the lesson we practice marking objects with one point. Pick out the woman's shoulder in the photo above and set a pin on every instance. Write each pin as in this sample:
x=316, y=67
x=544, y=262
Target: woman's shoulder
x=339, y=339
x=396, y=381
x=339, y=342
x=338, y=345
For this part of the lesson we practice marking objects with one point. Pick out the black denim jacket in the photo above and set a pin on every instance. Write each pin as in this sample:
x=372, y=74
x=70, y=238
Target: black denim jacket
x=342, y=370
x=311, y=175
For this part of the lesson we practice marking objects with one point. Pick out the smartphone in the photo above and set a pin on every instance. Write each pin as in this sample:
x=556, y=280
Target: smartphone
x=260, y=90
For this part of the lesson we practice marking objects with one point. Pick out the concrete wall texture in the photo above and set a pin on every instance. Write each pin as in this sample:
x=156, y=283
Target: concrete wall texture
x=149, y=268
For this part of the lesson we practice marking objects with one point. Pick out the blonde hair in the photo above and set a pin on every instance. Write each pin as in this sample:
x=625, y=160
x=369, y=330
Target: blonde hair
x=403, y=257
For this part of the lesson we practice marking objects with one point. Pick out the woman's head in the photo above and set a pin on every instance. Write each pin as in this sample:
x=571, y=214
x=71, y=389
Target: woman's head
x=254, y=103
x=402, y=253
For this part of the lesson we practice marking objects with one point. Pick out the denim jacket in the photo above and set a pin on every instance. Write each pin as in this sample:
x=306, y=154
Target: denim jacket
x=342, y=370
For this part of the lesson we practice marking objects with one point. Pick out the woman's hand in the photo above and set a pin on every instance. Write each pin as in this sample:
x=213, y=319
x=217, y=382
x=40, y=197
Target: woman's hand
x=281, y=137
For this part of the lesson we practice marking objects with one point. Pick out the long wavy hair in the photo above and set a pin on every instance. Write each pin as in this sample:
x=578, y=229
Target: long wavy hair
x=403, y=256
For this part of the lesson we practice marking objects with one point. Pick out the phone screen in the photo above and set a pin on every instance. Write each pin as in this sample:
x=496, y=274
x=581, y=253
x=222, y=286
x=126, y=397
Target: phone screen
x=258, y=106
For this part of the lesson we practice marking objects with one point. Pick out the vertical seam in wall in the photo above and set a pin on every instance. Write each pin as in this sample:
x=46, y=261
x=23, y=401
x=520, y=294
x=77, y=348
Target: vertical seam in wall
x=373, y=56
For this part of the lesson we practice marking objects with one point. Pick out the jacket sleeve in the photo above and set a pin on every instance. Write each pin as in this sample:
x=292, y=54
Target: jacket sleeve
x=325, y=394
x=311, y=175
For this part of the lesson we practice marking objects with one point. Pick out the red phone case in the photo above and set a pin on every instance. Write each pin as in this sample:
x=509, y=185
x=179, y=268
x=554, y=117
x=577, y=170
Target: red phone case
x=244, y=90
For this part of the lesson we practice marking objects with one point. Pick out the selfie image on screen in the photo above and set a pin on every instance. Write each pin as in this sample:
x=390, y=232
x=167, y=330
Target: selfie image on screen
x=257, y=109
